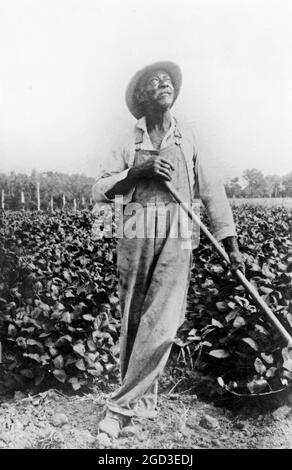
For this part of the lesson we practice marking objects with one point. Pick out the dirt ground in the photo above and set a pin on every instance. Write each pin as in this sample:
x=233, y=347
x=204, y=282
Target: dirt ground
x=53, y=420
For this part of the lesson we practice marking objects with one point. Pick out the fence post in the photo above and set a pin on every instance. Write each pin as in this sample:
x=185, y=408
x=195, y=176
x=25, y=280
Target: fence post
x=22, y=200
x=38, y=197
x=2, y=200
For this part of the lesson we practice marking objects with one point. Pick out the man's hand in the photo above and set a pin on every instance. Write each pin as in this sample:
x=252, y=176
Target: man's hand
x=153, y=167
x=236, y=259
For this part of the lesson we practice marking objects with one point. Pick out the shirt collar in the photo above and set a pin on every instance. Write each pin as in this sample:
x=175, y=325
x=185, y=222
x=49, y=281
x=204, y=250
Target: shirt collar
x=141, y=124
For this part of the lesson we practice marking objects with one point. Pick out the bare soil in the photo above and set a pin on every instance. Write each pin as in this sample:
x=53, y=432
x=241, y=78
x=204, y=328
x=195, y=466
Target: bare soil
x=55, y=420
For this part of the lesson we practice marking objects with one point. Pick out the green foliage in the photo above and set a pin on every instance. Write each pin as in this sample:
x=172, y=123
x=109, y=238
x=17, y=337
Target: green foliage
x=60, y=314
x=58, y=304
x=225, y=334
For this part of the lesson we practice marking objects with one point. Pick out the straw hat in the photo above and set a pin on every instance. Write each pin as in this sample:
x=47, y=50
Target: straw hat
x=173, y=71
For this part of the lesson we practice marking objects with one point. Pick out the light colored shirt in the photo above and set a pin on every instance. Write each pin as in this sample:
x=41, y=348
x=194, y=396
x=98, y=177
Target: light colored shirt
x=203, y=176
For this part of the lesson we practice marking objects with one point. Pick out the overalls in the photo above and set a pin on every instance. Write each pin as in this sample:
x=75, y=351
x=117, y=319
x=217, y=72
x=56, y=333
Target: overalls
x=154, y=275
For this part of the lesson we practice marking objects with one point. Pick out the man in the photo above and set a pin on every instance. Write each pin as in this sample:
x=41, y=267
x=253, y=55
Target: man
x=154, y=269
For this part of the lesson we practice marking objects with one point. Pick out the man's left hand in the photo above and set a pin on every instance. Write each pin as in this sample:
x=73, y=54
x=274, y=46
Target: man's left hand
x=236, y=258
x=236, y=261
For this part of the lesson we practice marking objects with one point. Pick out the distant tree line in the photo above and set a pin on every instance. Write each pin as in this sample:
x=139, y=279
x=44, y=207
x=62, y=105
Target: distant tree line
x=55, y=188
x=254, y=184
x=59, y=189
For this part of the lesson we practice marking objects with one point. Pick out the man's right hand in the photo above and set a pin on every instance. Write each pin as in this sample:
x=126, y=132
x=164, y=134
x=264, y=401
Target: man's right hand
x=153, y=167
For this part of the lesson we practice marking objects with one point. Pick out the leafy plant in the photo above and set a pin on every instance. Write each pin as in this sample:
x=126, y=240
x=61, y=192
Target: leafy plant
x=59, y=306
x=224, y=332
x=60, y=314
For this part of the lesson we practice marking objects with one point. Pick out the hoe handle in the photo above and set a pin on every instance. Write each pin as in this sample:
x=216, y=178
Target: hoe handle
x=248, y=286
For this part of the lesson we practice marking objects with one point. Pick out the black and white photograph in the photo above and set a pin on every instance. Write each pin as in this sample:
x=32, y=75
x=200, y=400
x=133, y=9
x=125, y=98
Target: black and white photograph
x=145, y=227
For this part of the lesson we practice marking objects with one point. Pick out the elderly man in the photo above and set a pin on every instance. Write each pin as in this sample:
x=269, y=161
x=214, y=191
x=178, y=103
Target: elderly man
x=154, y=270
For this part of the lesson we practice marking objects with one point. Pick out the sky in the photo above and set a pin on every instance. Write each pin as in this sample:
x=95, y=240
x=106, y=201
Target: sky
x=65, y=65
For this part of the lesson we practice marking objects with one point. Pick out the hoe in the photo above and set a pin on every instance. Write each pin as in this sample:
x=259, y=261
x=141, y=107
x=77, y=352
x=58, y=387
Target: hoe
x=243, y=280
x=248, y=286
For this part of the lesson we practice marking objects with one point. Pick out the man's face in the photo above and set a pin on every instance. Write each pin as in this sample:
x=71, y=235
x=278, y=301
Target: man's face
x=157, y=90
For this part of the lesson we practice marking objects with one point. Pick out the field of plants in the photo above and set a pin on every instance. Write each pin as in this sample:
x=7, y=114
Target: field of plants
x=60, y=317
x=264, y=202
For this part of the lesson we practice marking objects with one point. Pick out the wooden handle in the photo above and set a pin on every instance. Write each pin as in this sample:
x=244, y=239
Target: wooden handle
x=248, y=286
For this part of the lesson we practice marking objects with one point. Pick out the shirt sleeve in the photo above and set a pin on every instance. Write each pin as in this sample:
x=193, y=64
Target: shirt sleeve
x=117, y=170
x=210, y=188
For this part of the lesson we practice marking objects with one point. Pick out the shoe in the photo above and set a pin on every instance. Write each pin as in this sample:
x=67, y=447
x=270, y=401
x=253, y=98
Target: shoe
x=113, y=423
x=130, y=431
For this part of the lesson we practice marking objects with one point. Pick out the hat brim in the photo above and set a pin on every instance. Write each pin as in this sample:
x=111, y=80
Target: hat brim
x=173, y=71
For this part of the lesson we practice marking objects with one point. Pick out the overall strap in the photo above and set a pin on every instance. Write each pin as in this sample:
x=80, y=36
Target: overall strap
x=138, y=139
x=177, y=133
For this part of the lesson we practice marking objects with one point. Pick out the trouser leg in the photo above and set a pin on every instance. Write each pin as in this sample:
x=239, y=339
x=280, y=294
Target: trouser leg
x=156, y=315
x=136, y=260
